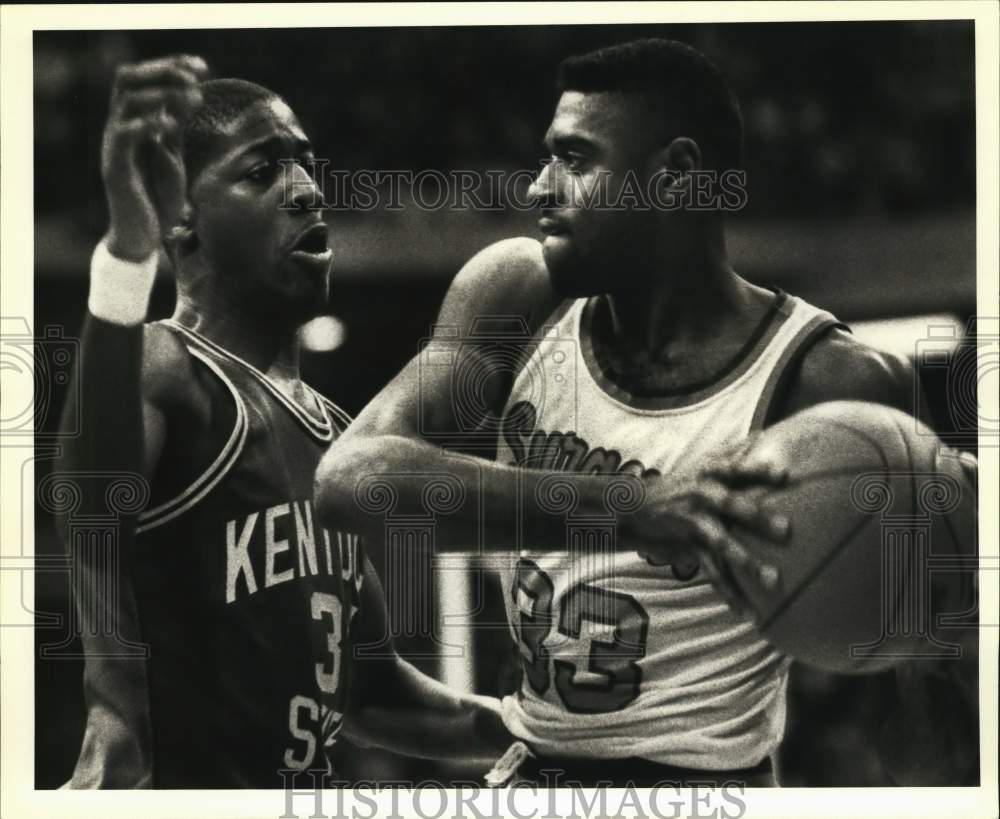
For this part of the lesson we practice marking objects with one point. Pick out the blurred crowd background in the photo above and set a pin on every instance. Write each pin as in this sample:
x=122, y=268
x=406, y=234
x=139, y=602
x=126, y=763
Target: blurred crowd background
x=860, y=159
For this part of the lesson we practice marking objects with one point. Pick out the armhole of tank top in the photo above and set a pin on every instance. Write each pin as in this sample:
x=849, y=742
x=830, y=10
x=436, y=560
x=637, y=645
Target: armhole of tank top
x=340, y=416
x=217, y=470
x=788, y=364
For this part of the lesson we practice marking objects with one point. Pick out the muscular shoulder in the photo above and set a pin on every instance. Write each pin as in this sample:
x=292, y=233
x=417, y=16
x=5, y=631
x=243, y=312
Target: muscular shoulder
x=507, y=278
x=838, y=367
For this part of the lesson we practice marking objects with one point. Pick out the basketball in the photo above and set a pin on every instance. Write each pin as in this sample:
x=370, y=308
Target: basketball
x=878, y=507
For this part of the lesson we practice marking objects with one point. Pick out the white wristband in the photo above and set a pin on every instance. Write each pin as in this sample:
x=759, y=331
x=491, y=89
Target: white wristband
x=119, y=289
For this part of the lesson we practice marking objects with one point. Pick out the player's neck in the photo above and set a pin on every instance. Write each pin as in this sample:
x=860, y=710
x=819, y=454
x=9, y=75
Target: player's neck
x=264, y=342
x=689, y=296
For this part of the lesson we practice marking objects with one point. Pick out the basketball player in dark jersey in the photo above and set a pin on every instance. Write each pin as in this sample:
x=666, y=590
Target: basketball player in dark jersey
x=248, y=604
x=668, y=355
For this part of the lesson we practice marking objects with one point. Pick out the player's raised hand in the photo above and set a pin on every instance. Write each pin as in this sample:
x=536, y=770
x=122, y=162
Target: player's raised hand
x=693, y=517
x=141, y=153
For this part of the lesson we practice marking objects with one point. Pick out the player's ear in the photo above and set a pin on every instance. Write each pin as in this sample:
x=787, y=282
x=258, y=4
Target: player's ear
x=675, y=160
x=674, y=163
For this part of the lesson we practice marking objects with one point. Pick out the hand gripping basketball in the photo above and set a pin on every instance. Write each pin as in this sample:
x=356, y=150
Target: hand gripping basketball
x=141, y=155
x=693, y=517
x=881, y=554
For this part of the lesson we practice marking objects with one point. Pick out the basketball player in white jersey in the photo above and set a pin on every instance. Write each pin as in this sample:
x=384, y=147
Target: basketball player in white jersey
x=639, y=350
x=247, y=607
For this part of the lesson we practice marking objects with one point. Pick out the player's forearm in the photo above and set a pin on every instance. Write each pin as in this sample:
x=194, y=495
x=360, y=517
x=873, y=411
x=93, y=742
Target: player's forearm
x=477, y=503
x=109, y=410
x=416, y=715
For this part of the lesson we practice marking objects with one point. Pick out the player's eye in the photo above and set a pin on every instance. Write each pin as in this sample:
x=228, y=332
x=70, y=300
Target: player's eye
x=573, y=161
x=267, y=171
x=261, y=172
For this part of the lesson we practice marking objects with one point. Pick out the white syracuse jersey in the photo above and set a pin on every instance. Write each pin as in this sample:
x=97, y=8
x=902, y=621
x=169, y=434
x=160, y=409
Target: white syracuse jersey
x=622, y=658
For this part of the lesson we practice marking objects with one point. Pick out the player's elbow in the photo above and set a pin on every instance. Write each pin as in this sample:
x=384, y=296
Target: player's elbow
x=340, y=486
x=336, y=479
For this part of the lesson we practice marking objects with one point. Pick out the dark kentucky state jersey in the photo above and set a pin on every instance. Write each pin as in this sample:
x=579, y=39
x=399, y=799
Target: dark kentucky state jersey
x=244, y=600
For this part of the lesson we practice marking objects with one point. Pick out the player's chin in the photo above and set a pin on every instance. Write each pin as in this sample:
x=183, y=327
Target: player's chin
x=563, y=263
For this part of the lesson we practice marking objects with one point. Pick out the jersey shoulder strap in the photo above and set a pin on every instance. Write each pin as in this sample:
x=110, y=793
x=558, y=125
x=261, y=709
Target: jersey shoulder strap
x=341, y=419
x=790, y=361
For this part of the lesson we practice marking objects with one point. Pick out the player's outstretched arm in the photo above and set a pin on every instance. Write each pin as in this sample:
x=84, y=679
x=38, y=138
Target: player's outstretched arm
x=395, y=706
x=402, y=433
x=124, y=387
x=131, y=379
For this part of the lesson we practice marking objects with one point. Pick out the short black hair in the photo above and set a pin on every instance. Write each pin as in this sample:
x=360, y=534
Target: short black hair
x=223, y=101
x=680, y=82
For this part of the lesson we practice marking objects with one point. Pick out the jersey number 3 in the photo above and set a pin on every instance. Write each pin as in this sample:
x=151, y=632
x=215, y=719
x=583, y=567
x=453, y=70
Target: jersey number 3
x=309, y=721
x=606, y=678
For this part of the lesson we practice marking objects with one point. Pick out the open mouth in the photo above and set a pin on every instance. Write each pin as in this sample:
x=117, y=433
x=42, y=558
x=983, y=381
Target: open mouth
x=313, y=245
x=550, y=227
x=313, y=240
